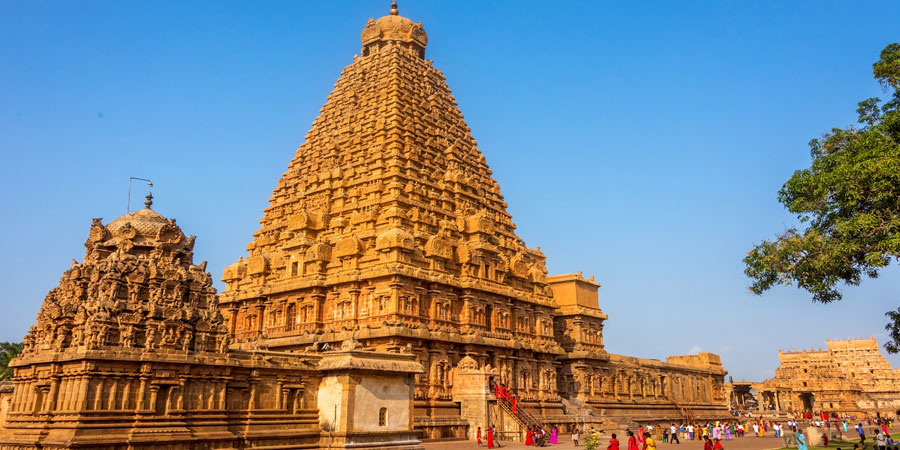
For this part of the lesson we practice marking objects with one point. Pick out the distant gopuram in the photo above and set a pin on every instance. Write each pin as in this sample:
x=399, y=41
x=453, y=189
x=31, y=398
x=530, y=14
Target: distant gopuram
x=388, y=228
x=848, y=377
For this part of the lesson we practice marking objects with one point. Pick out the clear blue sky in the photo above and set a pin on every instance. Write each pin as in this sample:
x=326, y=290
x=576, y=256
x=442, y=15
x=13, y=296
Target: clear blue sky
x=640, y=142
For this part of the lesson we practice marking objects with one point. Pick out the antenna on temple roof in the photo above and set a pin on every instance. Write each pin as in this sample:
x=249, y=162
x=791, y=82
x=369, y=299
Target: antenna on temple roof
x=394, y=10
x=130, y=179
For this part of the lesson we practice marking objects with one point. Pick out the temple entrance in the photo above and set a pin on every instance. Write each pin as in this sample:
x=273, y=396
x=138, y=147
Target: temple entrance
x=807, y=400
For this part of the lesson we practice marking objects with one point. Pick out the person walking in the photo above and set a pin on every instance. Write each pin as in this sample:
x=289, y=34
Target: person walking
x=575, y=437
x=478, y=436
x=673, y=435
x=490, y=437
x=718, y=445
x=632, y=442
x=707, y=444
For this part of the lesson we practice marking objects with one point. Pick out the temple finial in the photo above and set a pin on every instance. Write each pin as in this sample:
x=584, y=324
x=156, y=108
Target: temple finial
x=394, y=10
x=149, y=202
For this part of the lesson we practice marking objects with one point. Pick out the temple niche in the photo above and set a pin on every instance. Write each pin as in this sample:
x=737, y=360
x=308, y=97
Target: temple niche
x=130, y=349
x=388, y=227
x=849, y=376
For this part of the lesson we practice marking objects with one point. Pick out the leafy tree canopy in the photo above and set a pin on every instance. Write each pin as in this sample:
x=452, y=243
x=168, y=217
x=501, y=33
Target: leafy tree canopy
x=848, y=201
x=8, y=351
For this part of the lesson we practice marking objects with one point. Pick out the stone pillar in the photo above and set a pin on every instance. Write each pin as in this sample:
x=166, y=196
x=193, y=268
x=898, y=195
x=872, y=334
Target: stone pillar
x=154, y=391
x=280, y=394
x=113, y=390
x=394, y=306
x=18, y=396
x=252, y=403
x=221, y=394
x=234, y=320
x=101, y=384
x=84, y=382
x=126, y=393
x=142, y=392
x=51, y=396
x=260, y=317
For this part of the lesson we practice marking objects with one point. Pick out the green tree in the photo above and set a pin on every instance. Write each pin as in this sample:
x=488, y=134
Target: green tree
x=8, y=351
x=848, y=202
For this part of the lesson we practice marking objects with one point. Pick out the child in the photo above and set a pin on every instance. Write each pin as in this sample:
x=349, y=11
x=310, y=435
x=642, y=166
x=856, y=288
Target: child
x=575, y=436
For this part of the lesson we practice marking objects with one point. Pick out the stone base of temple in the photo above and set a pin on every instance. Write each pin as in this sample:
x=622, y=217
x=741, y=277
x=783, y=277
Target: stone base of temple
x=371, y=440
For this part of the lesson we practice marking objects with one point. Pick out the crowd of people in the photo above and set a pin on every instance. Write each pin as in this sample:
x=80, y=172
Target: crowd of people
x=714, y=433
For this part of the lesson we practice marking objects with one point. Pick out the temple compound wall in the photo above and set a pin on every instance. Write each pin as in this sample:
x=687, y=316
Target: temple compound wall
x=388, y=228
x=847, y=377
x=130, y=352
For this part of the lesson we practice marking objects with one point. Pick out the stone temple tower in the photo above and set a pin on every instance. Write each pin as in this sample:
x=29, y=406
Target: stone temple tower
x=388, y=226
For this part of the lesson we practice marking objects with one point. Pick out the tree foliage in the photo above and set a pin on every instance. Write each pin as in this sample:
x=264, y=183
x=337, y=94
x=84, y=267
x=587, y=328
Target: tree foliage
x=8, y=351
x=848, y=201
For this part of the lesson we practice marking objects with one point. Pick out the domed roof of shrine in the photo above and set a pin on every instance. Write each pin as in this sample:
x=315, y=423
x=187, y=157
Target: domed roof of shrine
x=394, y=27
x=145, y=225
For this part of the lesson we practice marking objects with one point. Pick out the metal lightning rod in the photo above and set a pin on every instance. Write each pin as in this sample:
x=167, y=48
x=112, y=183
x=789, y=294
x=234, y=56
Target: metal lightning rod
x=130, y=179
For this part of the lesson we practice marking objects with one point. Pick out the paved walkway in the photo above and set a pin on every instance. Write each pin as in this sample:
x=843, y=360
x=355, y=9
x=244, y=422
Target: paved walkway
x=744, y=443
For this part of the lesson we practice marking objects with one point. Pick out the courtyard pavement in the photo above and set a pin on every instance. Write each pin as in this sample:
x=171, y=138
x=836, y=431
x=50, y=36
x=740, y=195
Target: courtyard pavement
x=565, y=442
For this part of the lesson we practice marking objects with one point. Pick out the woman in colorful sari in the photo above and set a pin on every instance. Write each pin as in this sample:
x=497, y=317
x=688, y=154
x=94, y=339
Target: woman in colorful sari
x=490, y=437
x=554, y=436
x=801, y=441
x=707, y=444
x=728, y=432
x=529, y=437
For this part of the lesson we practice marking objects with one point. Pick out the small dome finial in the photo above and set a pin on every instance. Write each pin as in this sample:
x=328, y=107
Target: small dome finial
x=394, y=10
x=149, y=202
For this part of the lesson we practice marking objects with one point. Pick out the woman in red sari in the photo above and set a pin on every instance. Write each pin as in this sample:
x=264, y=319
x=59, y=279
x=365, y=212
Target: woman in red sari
x=707, y=445
x=632, y=443
x=529, y=437
x=613, y=443
x=515, y=409
x=490, y=437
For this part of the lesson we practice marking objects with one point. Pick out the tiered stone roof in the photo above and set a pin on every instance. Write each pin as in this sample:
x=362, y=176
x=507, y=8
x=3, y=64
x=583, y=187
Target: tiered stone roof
x=389, y=179
x=137, y=287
